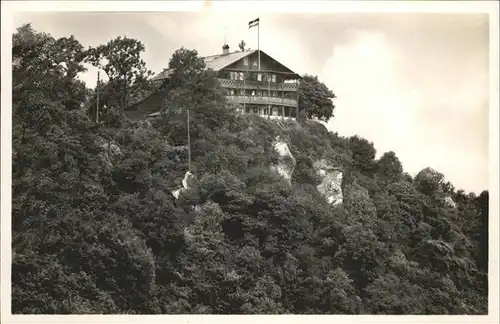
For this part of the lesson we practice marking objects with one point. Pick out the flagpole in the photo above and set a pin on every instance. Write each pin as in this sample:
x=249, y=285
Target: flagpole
x=258, y=41
x=253, y=23
x=224, y=35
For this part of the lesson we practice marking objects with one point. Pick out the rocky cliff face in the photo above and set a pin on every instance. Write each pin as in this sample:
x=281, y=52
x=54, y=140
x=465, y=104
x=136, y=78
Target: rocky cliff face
x=330, y=181
x=330, y=176
x=187, y=183
x=450, y=202
x=286, y=163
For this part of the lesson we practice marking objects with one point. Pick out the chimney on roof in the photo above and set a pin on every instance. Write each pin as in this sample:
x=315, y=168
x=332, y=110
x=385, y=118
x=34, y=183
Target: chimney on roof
x=225, y=49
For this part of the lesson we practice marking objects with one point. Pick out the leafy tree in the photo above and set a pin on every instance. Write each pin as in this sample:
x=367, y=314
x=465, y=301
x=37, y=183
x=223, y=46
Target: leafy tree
x=390, y=167
x=483, y=201
x=389, y=294
x=304, y=172
x=128, y=75
x=44, y=72
x=363, y=154
x=315, y=99
x=185, y=65
x=432, y=182
x=44, y=286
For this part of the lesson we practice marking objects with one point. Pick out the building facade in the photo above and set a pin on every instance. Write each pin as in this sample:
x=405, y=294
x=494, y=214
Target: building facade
x=270, y=91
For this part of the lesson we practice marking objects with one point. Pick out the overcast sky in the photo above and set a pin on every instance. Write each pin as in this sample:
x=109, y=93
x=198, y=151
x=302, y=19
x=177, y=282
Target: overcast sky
x=416, y=84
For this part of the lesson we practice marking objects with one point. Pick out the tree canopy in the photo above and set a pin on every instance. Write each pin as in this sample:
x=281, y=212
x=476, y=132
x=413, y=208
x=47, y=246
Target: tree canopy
x=96, y=229
x=128, y=75
x=315, y=99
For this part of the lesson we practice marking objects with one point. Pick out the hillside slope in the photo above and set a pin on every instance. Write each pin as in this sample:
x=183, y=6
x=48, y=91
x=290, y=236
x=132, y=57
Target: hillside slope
x=244, y=238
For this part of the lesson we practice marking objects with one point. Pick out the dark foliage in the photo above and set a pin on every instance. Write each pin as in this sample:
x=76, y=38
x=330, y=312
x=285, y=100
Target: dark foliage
x=315, y=99
x=96, y=229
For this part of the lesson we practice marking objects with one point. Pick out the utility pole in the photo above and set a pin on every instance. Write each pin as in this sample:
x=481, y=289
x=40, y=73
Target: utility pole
x=97, y=104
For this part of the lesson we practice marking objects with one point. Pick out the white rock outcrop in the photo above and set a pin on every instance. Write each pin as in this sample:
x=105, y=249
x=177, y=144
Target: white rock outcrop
x=286, y=161
x=450, y=202
x=330, y=182
x=109, y=151
x=187, y=183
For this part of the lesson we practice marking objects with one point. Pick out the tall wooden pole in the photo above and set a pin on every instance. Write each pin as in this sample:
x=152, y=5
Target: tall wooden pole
x=269, y=92
x=189, y=142
x=297, y=88
x=97, y=104
x=258, y=41
x=245, y=92
x=283, y=98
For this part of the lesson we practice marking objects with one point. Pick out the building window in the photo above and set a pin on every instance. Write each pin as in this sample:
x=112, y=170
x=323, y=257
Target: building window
x=255, y=62
x=259, y=76
x=273, y=78
x=245, y=61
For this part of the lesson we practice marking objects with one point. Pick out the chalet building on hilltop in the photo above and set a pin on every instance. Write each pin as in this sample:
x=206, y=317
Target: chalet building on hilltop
x=271, y=91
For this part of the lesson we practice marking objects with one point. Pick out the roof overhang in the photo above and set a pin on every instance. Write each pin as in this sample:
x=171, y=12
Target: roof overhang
x=221, y=61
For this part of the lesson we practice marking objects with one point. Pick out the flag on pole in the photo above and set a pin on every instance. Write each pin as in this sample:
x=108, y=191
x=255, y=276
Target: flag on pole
x=253, y=23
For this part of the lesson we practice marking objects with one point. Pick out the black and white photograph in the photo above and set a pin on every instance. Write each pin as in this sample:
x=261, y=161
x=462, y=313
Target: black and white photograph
x=221, y=158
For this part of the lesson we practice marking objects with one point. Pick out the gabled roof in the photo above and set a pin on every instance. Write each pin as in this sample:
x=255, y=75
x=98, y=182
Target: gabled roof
x=162, y=75
x=217, y=62
x=214, y=62
x=220, y=61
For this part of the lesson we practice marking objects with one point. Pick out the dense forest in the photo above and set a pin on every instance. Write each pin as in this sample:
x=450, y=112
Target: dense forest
x=96, y=229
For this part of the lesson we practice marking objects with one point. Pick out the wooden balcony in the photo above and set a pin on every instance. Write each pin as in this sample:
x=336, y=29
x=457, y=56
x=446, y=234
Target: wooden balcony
x=261, y=85
x=262, y=100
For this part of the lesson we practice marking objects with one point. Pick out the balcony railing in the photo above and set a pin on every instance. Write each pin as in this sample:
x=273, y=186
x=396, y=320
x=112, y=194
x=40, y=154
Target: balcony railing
x=263, y=100
x=264, y=85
